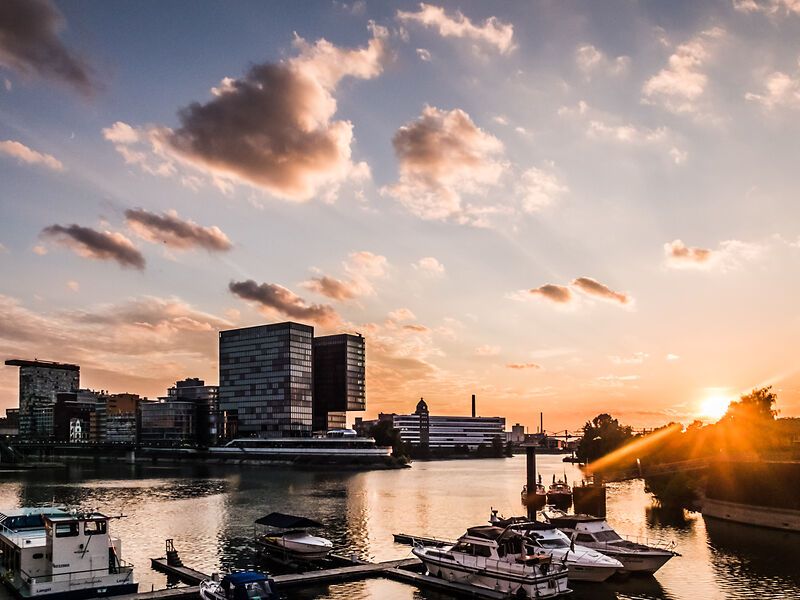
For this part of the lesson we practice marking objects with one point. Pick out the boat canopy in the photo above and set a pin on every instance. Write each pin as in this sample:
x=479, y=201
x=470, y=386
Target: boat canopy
x=243, y=577
x=486, y=532
x=284, y=521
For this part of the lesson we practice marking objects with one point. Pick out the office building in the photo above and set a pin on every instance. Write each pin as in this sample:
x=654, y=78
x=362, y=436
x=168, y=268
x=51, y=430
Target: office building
x=72, y=415
x=424, y=430
x=114, y=418
x=39, y=382
x=206, y=402
x=339, y=379
x=167, y=422
x=265, y=380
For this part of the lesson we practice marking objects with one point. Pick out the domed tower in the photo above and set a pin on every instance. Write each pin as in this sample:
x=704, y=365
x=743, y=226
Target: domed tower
x=424, y=425
x=422, y=407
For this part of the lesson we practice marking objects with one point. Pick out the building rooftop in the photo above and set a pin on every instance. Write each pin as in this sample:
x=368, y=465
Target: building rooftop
x=17, y=362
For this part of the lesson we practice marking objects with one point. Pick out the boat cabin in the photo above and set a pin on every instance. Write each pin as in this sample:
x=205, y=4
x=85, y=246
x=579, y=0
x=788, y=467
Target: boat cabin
x=247, y=585
x=497, y=543
x=585, y=529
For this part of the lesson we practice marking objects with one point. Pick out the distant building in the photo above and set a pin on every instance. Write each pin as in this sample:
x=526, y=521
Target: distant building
x=423, y=429
x=339, y=379
x=517, y=435
x=39, y=382
x=206, y=402
x=72, y=416
x=265, y=380
x=9, y=425
x=167, y=423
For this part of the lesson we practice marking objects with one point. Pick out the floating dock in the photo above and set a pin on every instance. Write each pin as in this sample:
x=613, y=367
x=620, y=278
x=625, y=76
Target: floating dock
x=413, y=540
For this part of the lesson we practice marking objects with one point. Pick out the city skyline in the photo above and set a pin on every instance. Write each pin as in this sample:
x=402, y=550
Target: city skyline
x=568, y=207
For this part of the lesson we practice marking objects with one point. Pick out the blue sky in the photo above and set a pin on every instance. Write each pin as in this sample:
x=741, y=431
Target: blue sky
x=559, y=206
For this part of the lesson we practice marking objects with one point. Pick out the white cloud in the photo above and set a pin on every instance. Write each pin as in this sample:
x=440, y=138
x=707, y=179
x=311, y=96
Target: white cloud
x=26, y=155
x=769, y=7
x=636, y=358
x=540, y=188
x=73, y=285
x=781, y=90
x=680, y=85
x=493, y=31
x=429, y=265
x=730, y=255
x=591, y=60
x=424, y=55
x=487, y=350
x=402, y=314
x=672, y=357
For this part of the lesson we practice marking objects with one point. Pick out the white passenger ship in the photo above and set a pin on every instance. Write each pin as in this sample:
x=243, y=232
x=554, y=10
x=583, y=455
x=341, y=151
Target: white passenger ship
x=55, y=553
x=336, y=444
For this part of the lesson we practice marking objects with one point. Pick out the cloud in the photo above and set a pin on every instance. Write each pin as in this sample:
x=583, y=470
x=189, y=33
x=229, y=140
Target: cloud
x=424, y=55
x=487, y=350
x=672, y=357
x=493, y=31
x=781, y=90
x=443, y=155
x=168, y=229
x=768, y=7
x=679, y=86
x=73, y=286
x=539, y=188
x=616, y=380
x=594, y=288
x=730, y=255
x=429, y=265
x=30, y=44
x=591, y=60
x=627, y=133
x=98, y=245
x=637, y=358
x=520, y=366
x=26, y=155
x=559, y=294
x=402, y=314
x=362, y=268
x=276, y=299
x=272, y=129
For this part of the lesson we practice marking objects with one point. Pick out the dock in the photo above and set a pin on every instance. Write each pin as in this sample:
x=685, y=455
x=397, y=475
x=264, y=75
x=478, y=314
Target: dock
x=413, y=540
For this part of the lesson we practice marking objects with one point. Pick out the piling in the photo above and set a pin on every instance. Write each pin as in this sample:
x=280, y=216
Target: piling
x=530, y=462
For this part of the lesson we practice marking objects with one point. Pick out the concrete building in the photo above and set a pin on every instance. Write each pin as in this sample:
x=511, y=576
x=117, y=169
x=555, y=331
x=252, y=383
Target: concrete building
x=115, y=418
x=422, y=429
x=206, y=402
x=167, y=423
x=39, y=382
x=339, y=379
x=265, y=380
x=517, y=434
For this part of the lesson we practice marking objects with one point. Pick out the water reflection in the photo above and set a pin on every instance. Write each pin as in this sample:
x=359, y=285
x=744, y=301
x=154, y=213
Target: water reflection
x=209, y=511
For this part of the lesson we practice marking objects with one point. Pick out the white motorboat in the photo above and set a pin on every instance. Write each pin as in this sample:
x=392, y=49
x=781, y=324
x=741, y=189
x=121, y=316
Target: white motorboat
x=636, y=556
x=496, y=558
x=288, y=535
x=585, y=564
x=57, y=553
x=244, y=585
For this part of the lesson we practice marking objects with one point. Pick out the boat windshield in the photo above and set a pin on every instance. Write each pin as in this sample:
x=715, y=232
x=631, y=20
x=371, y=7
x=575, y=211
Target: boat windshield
x=255, y=590
x=607, y=536
x=554, y=543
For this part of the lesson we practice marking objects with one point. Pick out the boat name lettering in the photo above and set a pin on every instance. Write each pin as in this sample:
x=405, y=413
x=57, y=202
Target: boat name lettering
x=60, y=566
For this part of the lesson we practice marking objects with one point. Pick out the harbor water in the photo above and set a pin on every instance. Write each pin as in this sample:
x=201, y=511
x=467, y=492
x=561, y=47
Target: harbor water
x=209, y=511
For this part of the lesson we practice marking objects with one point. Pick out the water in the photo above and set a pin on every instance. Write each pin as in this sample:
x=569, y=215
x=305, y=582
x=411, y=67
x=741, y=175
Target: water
x=209, y=512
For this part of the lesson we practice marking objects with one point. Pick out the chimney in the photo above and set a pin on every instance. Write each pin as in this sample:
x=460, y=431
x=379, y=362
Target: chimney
x=473, y=406
x=541, y=423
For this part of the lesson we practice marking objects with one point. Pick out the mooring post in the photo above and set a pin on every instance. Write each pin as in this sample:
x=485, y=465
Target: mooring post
x=530, y=461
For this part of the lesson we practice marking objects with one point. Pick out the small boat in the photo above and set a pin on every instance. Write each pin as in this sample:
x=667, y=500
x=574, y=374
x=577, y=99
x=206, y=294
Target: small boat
x=496, y=558
x=636, y=556
x=244, y=585
x=559, y=494
x=537, y=499
x=287, y=535
x=58, y=553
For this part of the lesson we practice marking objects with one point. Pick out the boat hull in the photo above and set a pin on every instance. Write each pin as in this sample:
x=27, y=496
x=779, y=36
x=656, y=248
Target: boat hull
x=549, y=585
x=81, y=594
x=590, y=573
x=559, y=500
x=645, y=563
x=295, y=549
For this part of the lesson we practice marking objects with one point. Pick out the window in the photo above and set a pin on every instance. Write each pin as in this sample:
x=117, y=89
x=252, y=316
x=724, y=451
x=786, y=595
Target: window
x=607, y=536
x=94, y=527
x=584, y=537
x=66, y=529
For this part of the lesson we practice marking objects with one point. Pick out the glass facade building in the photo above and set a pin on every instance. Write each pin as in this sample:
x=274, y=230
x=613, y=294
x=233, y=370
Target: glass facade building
x=339, y=379
x=167, y=423
x=265, y=380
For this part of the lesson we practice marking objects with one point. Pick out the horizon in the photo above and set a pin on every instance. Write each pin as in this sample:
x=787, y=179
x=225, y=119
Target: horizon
x=569, y=208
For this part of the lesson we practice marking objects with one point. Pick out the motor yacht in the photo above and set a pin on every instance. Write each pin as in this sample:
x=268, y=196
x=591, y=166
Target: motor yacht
x=535, y=499
x=65, y=554
x=585, y=564
x=559, y=494
x=244, y=585
x=636, y=556
x=496, y=558
x=287, y=535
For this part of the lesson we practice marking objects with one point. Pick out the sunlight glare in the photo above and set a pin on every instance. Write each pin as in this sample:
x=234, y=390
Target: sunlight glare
x=714, y=407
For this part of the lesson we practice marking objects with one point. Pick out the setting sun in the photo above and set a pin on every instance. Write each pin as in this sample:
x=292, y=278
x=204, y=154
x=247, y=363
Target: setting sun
x=714, y=407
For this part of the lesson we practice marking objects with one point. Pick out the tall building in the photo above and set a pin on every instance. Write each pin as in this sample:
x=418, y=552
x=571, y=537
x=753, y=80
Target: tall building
x=265, y=380
x=339, y=379
x=167, y=423
x=206, y=402
x=39, y=382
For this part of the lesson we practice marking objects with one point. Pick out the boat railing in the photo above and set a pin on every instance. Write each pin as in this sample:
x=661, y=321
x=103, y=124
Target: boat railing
x=123, y=568
x=657, y=543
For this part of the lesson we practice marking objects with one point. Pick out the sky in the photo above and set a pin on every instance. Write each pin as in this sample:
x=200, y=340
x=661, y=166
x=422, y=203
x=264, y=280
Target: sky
x=566, y=207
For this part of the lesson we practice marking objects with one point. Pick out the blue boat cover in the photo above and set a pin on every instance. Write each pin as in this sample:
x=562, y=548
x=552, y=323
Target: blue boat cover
x=244, y=577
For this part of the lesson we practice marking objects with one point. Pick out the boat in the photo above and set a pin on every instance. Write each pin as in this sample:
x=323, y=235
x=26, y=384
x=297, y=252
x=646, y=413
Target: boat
x=538, y=499
x=337, y=445
x=244, y=585
x=65, y=554
x=559, y=494
x=288, y=536
x=636, y=556
x=497, y=559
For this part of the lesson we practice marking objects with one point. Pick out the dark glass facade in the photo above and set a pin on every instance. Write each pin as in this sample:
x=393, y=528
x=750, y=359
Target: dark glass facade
x=167, y=423
x=339, y=379
x=265, y=380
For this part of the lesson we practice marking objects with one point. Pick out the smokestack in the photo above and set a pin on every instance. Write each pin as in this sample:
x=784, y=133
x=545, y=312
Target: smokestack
x=473, y=406
x=541, y=423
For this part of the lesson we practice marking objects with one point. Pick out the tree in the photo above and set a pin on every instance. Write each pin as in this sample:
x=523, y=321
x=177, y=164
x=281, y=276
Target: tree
x=386, y=435
x=752, y=408
x=602, y=435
